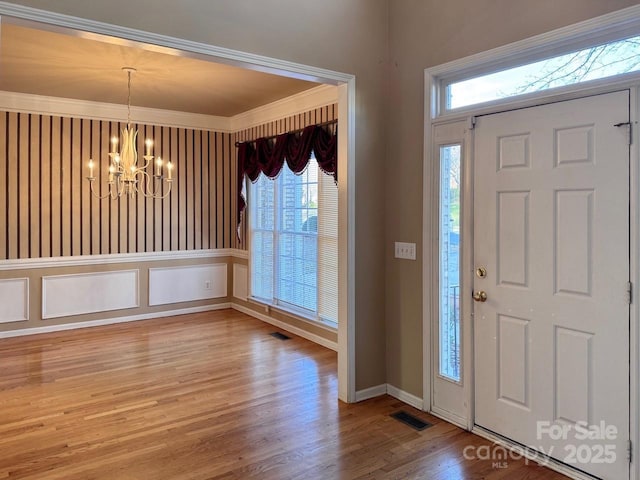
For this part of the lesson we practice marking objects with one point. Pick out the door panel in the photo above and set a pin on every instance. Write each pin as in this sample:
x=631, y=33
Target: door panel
x=551, y=227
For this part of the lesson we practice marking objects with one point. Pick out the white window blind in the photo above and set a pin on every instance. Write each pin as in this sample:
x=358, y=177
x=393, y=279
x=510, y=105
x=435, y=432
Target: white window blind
x=294, y=242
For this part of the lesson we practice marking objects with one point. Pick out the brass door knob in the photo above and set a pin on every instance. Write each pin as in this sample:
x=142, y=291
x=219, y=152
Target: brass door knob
x=480, y=296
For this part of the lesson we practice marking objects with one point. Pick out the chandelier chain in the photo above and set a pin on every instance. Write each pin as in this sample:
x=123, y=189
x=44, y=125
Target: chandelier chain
x=129, y=99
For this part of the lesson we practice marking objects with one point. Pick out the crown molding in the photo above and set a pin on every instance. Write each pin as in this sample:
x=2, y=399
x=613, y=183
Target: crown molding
x=66, y=107
x=38, y=104
x=316, y=97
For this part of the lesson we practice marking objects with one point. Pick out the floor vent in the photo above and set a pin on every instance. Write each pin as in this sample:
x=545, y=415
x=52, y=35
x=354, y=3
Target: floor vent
x=413, y=422
x=280, y=336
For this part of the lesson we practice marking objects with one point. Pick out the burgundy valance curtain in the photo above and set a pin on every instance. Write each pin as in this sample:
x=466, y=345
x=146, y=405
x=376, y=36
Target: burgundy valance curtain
x=268, y=156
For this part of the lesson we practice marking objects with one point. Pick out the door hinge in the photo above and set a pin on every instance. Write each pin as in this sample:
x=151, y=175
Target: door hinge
x=629, y=450
x=629, y=294
x=472, y=123
x=630, y=129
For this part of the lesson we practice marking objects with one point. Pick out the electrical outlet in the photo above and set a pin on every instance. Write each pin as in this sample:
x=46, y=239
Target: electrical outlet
x=406, y=250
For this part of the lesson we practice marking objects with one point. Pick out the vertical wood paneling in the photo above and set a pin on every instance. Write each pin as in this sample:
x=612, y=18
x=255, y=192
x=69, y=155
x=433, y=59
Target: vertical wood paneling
x=45, y=186
x=219, y=188
x=226, y=175
x=105, y=205
x=66, y=239
x=204, y=149
x=4, y=188
x=171, y=216
x=24, y=172
x=233, y=162
x=213, y=197
x=85, y=198
x=163, y=214
x=56, y=186
x=12, y=187
x=33, y=235
x=75, y=185
x=190, y=190
x=197, y=191
x=182, y=189
x=94, y=203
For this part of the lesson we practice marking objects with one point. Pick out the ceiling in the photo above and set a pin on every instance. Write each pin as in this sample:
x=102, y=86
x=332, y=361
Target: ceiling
x=56, y=64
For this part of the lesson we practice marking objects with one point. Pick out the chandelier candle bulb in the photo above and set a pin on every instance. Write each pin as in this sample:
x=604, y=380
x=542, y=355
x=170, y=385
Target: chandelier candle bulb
x=169, y=168
x=91, y=169
x=158, y=167
x=148, y=143
x=111, y=169
x=114, y=144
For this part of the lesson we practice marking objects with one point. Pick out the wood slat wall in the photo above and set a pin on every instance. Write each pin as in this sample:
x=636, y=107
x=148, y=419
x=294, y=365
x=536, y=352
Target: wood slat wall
x=295, y=122
x=48, y=211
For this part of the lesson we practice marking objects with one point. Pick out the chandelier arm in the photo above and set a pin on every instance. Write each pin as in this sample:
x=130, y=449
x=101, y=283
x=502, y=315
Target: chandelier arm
x=97, y=195
x=144, y=167
x=143, y=181
x=155, y=192
x=166, y=194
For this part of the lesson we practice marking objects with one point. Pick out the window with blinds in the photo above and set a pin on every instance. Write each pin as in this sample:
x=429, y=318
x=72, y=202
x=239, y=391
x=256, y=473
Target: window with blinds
x=294, y=242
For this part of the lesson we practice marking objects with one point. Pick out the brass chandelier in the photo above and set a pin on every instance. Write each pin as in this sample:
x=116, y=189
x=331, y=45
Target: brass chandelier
x=125, y=176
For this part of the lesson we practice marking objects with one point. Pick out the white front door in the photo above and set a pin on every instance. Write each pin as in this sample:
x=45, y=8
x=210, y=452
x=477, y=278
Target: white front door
x=551, y=230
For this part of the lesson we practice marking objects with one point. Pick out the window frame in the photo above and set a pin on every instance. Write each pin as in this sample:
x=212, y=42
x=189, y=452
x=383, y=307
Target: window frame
x=275, y=302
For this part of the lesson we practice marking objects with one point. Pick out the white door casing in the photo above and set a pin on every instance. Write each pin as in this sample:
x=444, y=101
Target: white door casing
x=551, y=227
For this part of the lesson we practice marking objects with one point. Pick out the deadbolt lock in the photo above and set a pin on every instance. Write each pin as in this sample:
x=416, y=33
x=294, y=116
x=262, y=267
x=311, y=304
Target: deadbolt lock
x=481, y=272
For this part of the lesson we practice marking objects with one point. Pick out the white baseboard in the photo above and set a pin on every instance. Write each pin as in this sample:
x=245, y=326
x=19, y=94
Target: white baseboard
x=405, y=397
x=388, y=389
x=371, y=392
x=111, y=321
x=289, y=328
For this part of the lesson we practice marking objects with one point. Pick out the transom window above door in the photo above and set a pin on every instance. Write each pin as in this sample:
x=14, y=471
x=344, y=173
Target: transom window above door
x=593, y=63
x=592, y=55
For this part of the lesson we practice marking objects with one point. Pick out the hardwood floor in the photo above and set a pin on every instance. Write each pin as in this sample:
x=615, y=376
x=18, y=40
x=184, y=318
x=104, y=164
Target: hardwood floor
x=208, y=396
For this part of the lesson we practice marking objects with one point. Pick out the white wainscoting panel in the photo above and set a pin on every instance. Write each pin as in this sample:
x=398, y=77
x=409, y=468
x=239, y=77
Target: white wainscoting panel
x=14, y=300
x=186, y=284
x=80, y=293
x=240, y=279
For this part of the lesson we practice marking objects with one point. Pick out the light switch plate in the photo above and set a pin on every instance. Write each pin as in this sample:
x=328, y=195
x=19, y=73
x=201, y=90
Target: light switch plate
x=406, y=250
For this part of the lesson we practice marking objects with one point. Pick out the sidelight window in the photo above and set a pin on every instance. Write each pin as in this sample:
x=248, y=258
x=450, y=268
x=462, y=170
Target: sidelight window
x=449, y=278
